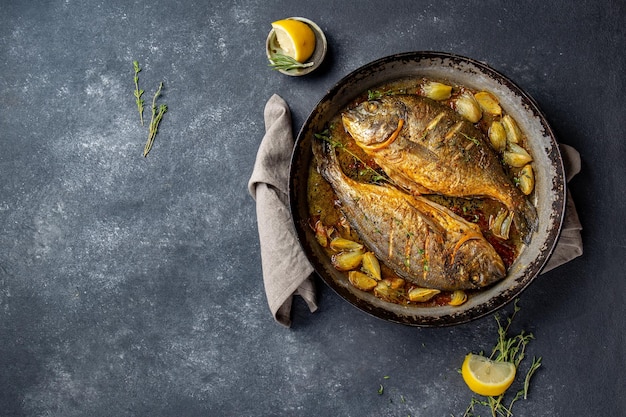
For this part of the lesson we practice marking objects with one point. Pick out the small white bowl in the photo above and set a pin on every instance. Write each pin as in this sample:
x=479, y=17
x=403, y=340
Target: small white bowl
x=272, y=47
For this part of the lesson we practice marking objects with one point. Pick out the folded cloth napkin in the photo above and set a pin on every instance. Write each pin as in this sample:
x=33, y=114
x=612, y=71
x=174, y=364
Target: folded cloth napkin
x=286, y=270
x=570, y=243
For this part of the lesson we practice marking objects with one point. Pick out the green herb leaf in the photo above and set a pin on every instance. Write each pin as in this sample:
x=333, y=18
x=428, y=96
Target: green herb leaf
x=284, y=62
x=374, y=95
x=376, y=176
x=138, y=93
x=472, y=139
x=155, y=120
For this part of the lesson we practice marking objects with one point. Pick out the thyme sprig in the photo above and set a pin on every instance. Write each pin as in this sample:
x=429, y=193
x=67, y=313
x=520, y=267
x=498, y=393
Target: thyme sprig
x=138, y=93
x=377, y=94
x=157, y=112
x=154, y=120
x=471, y=138
x=376, y=177
x=374, y=94
x=507, y=349
x=284, y=62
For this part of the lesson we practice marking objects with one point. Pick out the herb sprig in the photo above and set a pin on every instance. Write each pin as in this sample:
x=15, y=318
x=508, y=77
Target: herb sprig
x=471, y=138
x=154, y=120
x=508, y=349
x=157, y=112
x=284, y=62
x=138, y=93
x=377, y=94
x=376, y=177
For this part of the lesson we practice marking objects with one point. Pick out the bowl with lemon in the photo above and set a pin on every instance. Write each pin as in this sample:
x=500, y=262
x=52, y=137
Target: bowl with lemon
x=295, y=46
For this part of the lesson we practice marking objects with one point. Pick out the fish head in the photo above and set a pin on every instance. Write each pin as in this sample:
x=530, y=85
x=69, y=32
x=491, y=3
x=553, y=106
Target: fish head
x=477, y=264
x=374, y=121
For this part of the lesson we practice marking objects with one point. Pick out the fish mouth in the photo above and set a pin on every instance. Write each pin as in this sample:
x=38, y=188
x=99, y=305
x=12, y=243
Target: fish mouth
x=394, y=135
x=493, y=270
x=368, y=141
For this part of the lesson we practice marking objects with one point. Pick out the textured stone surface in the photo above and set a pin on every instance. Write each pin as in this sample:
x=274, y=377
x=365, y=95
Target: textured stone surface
x=132, y=286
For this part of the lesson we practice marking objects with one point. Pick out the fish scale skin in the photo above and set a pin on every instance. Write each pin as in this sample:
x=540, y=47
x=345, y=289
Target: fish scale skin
x=413, y=236
x=451, y=158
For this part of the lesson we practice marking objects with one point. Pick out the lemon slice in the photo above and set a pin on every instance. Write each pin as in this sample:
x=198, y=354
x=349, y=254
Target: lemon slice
x=487, y=377
x=295, y=38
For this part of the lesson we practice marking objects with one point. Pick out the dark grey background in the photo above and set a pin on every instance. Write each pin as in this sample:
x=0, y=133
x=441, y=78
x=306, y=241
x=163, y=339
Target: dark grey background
x=133, y=287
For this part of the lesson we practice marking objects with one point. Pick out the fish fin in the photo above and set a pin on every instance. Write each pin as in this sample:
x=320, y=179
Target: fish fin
x=407, y=184
x=325, y=157
x=418, y=189
x=500, y=225
x=424, y=153
x=525, y=220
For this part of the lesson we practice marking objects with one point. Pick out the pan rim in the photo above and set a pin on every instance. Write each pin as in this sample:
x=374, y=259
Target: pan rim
x=429, y=316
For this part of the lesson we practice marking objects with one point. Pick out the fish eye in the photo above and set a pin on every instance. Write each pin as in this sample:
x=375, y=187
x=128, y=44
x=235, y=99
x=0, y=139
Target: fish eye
x=371, y=106
x=476, y=279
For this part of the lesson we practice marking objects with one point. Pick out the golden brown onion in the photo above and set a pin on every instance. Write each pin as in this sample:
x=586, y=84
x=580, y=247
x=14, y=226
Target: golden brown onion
x=489, y=103
x=436, y=91
x=421, y=295
x=467, y=106
x=361, y=280
x=371, y=266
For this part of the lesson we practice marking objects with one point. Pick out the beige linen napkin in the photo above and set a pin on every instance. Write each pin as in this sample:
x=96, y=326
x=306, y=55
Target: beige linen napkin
x=286, y=270
x=570, y=243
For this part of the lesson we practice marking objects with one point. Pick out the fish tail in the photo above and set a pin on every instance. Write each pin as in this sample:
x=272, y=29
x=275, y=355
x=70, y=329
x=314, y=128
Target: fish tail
x=525, y=220
x=318, y=153
x=326, y=160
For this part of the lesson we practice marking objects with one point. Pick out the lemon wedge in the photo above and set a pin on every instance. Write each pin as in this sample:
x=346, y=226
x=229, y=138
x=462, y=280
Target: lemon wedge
x=295, y=38
x=487, y=377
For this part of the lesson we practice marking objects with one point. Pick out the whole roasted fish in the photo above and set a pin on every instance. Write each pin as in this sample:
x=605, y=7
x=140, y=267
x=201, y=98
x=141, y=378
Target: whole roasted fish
x=421, y=241
x=427, y=148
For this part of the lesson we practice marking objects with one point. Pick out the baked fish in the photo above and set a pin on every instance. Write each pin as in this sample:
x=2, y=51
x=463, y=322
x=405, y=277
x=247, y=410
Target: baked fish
x=423, y=242
x=427, y=148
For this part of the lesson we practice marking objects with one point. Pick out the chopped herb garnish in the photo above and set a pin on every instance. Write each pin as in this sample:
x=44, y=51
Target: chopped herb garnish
x=374, y=95
x=476, y=141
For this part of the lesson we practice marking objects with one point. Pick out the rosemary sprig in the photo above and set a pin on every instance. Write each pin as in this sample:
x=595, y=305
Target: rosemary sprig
x=138, y=93
x=284, y=62
x=154, y=120
x=509, y=349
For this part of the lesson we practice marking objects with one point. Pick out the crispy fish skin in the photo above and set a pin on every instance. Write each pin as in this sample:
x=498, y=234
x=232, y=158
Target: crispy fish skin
x=421, y=241
x=427, y=148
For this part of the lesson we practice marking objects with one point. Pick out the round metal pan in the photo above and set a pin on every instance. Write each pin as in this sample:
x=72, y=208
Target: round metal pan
x=549, y=195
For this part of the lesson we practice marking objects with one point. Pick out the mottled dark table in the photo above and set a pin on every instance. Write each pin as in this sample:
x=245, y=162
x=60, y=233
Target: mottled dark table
x=133, y=287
